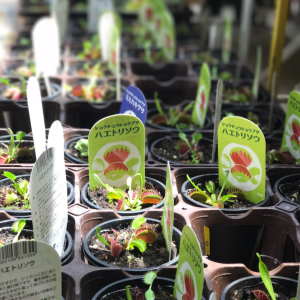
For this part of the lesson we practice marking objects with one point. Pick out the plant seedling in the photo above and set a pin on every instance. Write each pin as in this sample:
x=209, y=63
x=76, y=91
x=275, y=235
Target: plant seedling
x=14, y=92
x=144, y=234
x=17, y=228
x=90, y=49
x=186, y=146
x=12, y=151
x=175, y=117
x=240, y=95
x=281, y=155
x=92, y=71
x=82, y=146
x=265, y=276
x=151, y=56
x=210, y=197
x=133, y=199
x=26, y=71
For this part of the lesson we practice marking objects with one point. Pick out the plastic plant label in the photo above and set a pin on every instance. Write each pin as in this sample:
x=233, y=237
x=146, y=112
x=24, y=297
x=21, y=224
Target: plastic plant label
x=48, y=199
x=291, y=135
x=36, y=116
x=189, y=276
x=46, y=46
x=32, y=269
x=60, y=11
x=56, y=138
x=167, y=221
x=95, y=8
x=242, y=153
x=134, y=103
x=116, y=150
x=107, y=20
x=202, y=98
x=226, y=49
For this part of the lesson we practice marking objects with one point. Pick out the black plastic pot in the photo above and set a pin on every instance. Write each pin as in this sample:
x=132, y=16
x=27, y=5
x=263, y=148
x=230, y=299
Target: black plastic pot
x=124, y=222
x=157, y=143
x=68, y=245
x=71, y=158
x=133, y=282
x=290, y=179
x=158, y=185
x=27, y=213
x=206, y=177
x=56, y=92
x=228, y=292
x=277, y=121
x=152, y=112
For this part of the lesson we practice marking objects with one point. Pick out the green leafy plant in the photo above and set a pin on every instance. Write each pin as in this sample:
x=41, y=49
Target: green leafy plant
x=175, y=117
x=82, y=146
x=14, y=91
x=96, y=70
x=265, y=276
x=186, y=146
x=242, y=94
x=90, y=49
x=210, y=197
x=26, y=71
x=143, y=234
x=132, y=199
x=17, y=228
x=281, y=155
x=150, y=55
x=13, y=151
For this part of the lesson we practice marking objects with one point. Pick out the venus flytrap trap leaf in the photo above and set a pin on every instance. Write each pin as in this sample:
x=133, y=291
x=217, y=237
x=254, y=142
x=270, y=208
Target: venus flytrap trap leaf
x=148, y=279
x=82, y=146
x=17, y=228
x=137, y=222
x=128, y=294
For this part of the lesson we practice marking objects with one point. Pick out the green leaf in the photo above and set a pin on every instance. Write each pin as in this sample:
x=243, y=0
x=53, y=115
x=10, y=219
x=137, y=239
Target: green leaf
x=9, y=175
x=197, y=137
x=140, y=244
x=18, y=226
x=4, y=80
x=101, y=238
x=149, y=277
x=128, y=295
x=210, y=186
x=82, y=146
x=184, y=138
x=137, y=222
x=226, y=197
x=157, y=104
x=20, y=135
x=150, y=295
x=265, y=276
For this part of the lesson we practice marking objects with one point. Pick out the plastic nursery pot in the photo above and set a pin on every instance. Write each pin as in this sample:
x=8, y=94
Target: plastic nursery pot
x=70, y=144
x=68, y=243
x=158, y=185
x=110, y=95
x=287, y=186
x=152, y=112
x=162, y=142
x=114, y=288
x=22, y=214
x=277, y=121
x=206, y=177
x=255, y=282
x=123, y=223
x=55, y=90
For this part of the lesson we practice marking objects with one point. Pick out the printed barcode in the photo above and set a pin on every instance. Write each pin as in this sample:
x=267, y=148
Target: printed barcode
x=43, y=159
x=18, y=249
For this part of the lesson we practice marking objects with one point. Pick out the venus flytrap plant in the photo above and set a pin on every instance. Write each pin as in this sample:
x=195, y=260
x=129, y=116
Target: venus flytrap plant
x=17, y=228
x=82, y=146
x=14, y=92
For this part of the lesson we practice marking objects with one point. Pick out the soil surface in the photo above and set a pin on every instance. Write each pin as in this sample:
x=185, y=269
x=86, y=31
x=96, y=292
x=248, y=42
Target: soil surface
x=98, y=197
x=291, y=191
x=155, y=255
x=76, y=153
x=7, y=235
x=167, y=150
x=21, y=159
x=161, y=293
x=246, y=292
x=237, y=204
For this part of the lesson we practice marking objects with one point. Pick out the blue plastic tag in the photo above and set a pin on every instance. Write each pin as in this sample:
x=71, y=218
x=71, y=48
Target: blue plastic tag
x=134, y=103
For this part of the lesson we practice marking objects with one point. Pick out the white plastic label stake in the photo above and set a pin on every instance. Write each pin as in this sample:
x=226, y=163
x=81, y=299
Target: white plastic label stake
x=56, y=138
x=60, y=11
x=105, y=29
x=46, y=46
x=36, y=116
x=48, y=197
x=95, y=8
x=23, y=264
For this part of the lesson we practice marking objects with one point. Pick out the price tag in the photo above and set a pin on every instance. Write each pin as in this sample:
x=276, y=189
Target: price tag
x=291, y=135
x=167, y=221
x=134, y=103
x=29, y=270
x=242, y=153
x=48, y=199
x=202, y=98
x=46, y=46
x=116, y=150
x=36, y=116
x=189, y=276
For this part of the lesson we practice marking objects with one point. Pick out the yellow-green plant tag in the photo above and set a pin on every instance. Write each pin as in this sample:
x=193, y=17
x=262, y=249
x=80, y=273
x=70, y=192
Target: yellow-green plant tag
x=116, y=150
x=242, y=152
x=167, y=221
x=202, y=98
x=189, y=276
x=291, y=133
x=227, y=38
